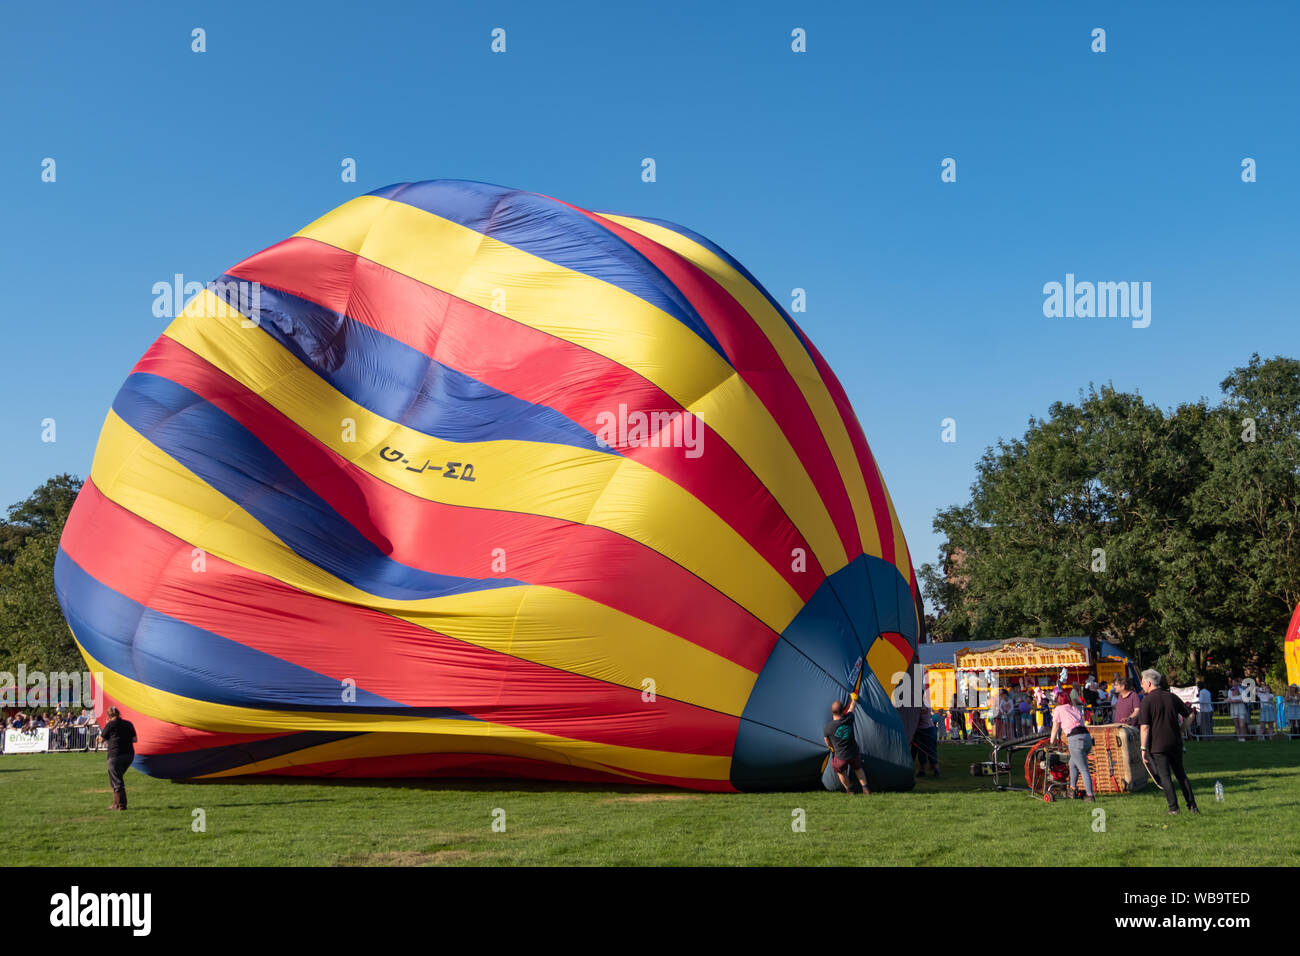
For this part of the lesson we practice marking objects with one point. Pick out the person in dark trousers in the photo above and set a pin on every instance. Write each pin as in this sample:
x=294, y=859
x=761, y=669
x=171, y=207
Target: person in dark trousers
x=957, y=718
x=120, y=736
x=1160, y=718
x=925, y=742
x=845, y=755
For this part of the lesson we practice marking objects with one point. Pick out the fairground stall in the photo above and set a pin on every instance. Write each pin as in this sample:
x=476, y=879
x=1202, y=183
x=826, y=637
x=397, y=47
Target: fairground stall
x=969, y=670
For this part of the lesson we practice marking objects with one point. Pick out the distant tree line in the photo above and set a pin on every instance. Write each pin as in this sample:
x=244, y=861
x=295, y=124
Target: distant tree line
x=1175, y=534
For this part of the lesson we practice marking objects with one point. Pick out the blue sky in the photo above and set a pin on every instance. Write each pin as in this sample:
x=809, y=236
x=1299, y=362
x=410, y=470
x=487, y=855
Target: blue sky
x=818, y=170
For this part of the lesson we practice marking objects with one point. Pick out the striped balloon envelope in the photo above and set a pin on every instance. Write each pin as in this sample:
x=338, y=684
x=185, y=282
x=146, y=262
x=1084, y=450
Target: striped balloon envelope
x=1291, y=648
x=465, y=481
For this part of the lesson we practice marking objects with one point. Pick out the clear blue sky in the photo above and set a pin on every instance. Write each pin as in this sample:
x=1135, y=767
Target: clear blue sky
x=818, y=170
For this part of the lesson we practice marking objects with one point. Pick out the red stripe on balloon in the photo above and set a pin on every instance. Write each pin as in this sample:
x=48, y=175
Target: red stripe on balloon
x=900, y=644
x=434, y=765
x=866, y=461
x=760, y=365
x=461, y=541
x=492, y=766
x=384, y=655
x=535, y=367
x=162, y=737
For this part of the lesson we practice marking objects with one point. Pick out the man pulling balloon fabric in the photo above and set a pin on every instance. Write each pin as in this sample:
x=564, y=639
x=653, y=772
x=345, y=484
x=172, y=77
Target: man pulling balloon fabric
x=838, y=734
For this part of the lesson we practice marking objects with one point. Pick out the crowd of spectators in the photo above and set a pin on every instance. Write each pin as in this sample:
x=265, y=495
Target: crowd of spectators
x=67, y=731
x=1012, y=713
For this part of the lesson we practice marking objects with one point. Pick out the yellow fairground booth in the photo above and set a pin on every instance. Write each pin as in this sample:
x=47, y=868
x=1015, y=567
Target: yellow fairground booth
x=1016, y=663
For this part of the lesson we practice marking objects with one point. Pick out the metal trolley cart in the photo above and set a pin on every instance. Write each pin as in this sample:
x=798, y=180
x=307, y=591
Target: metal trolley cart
x=998, y=766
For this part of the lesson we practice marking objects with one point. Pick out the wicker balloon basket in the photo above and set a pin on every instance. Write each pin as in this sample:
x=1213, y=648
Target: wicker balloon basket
x=1115, y=764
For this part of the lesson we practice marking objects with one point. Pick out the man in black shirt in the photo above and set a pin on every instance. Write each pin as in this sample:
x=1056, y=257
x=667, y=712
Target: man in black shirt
x=120, y=736
x=838, y=735
x=1161, y=717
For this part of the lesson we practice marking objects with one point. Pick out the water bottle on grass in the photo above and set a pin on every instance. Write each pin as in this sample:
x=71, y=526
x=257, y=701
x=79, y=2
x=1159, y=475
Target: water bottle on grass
x=1218, y=791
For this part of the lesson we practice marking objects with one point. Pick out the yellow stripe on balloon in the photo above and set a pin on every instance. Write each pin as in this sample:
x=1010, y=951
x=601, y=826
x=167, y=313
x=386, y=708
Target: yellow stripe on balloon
x=795, y=358
x=533, y=622
x=886, y=662
x=399, y=745
x=427, y=734
x=603, y=490
x=595, y=315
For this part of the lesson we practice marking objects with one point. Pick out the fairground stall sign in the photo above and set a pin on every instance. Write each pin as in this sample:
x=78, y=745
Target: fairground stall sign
x=974, y=669
x=1022, y=656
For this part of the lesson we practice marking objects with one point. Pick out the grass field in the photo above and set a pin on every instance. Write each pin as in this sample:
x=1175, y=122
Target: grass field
x=56, y=814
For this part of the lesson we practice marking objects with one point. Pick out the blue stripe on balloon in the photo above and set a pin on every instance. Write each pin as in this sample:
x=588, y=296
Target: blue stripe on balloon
x=168, y=654
x=209, y=760
x=779, y=740
x=727, y=258
x=236, y=463
x=398, y=382
x=550, y=230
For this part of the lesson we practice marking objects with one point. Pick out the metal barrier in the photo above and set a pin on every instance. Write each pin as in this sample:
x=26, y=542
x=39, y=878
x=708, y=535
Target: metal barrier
x=75, y=738
x=71, y=739
x=1220, y=725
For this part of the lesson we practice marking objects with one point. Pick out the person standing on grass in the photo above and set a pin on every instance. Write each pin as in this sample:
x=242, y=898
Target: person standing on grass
x=1266, y=712
x=957, y=720
x=1003, y=720
x=1068, y=728
x=1205, y=710
x=1237, y=710
x=925, y=743
x=1161, y=719
x=1126, y=703
x=845, y=755
x=1044, y=711
x=121, y=738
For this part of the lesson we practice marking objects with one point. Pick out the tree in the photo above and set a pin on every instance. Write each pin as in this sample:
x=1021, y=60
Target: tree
x=33, y=632
x=1174, y=534
x=44, y=511
x=1248, y=510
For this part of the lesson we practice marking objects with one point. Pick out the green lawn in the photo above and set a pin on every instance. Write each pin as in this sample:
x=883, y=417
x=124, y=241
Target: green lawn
x=56, y=814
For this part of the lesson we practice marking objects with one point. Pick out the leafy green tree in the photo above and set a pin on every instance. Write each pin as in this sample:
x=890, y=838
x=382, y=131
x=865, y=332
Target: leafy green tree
x=44, y=511
x=1248, y=511
x=32, y=628
x=1175, y=534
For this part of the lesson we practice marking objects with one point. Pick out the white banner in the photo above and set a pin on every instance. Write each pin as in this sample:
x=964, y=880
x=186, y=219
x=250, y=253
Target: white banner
x=23, y=742
x=1189, y=695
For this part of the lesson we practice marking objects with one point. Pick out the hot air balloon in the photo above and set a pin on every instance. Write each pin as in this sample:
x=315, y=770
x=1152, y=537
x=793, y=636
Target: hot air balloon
x=461, y=480
x=1292, y=648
